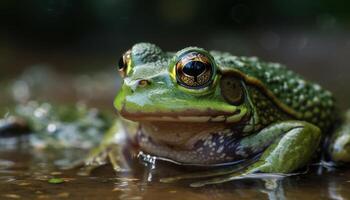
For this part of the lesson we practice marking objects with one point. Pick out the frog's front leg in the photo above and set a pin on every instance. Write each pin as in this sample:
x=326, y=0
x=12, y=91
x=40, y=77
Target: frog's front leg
x=292, y=145
x=110, y=149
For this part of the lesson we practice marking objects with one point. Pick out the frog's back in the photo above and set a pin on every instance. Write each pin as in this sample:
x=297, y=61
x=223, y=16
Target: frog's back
x=302, y=99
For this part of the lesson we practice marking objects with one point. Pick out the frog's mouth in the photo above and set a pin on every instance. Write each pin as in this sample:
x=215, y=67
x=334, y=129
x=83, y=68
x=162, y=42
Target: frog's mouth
x=189, y=115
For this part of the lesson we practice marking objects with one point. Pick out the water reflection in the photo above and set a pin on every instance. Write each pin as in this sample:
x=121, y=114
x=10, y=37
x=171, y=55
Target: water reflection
x=25, y=172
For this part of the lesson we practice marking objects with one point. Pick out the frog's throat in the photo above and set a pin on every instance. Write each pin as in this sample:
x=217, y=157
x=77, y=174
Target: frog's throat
x=191, y=116
x=192, y=143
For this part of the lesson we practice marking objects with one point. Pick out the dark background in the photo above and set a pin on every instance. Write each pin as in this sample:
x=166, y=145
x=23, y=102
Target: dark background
x=74, y=37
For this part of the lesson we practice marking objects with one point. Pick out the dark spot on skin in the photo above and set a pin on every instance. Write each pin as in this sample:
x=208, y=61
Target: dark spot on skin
x=198, y=144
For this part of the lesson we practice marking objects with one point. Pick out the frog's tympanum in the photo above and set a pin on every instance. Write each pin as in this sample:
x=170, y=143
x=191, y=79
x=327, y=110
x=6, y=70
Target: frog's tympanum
x=208, y=108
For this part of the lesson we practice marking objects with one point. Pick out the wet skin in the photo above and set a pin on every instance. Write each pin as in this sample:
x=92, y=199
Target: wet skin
x=198, y=107
x=207, y=107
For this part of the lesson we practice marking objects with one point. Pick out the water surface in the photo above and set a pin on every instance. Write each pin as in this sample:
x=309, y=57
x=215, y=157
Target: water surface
x=25, y=174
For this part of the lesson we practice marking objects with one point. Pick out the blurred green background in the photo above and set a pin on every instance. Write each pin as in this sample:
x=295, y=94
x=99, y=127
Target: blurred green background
x=78, y=37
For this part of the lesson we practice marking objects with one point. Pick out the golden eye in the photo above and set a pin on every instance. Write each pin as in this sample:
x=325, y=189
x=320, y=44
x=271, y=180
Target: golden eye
x=123, y=63
x=194, y=70
x=232, y=90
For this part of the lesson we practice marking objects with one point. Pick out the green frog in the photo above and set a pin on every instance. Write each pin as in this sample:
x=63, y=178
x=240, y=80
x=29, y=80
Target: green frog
x=209, y=108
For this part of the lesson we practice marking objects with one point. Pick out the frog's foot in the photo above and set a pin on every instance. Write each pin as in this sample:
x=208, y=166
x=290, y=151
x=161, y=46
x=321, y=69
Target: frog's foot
x=13, y=126
x=339, y=144
x=111, y=154
x=110, y=151
x=96, y=159
x=295, y=146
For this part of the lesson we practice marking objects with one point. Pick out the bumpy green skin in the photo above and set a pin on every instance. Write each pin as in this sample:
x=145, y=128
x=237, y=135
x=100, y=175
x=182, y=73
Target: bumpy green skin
x=310, y=101
x=283, y=116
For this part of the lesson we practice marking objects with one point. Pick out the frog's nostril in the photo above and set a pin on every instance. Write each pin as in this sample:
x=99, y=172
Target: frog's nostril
x=143, y=83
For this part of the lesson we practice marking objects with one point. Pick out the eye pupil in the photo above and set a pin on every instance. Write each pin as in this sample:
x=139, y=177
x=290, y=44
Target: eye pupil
x=121, y=63
x=194, y=68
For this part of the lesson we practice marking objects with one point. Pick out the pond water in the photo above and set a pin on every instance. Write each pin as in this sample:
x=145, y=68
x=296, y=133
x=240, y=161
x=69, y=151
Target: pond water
x=36, y=174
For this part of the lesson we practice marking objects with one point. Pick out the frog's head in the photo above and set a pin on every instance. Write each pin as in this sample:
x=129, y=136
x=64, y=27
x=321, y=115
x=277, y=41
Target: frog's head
x=179, y=98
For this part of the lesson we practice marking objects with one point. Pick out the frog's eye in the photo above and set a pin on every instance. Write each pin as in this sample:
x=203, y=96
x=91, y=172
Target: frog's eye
x=232, y=90
x=194, y=70
x=123, y=63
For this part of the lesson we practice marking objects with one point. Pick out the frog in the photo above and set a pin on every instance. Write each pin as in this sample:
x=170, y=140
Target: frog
x=238, y=115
